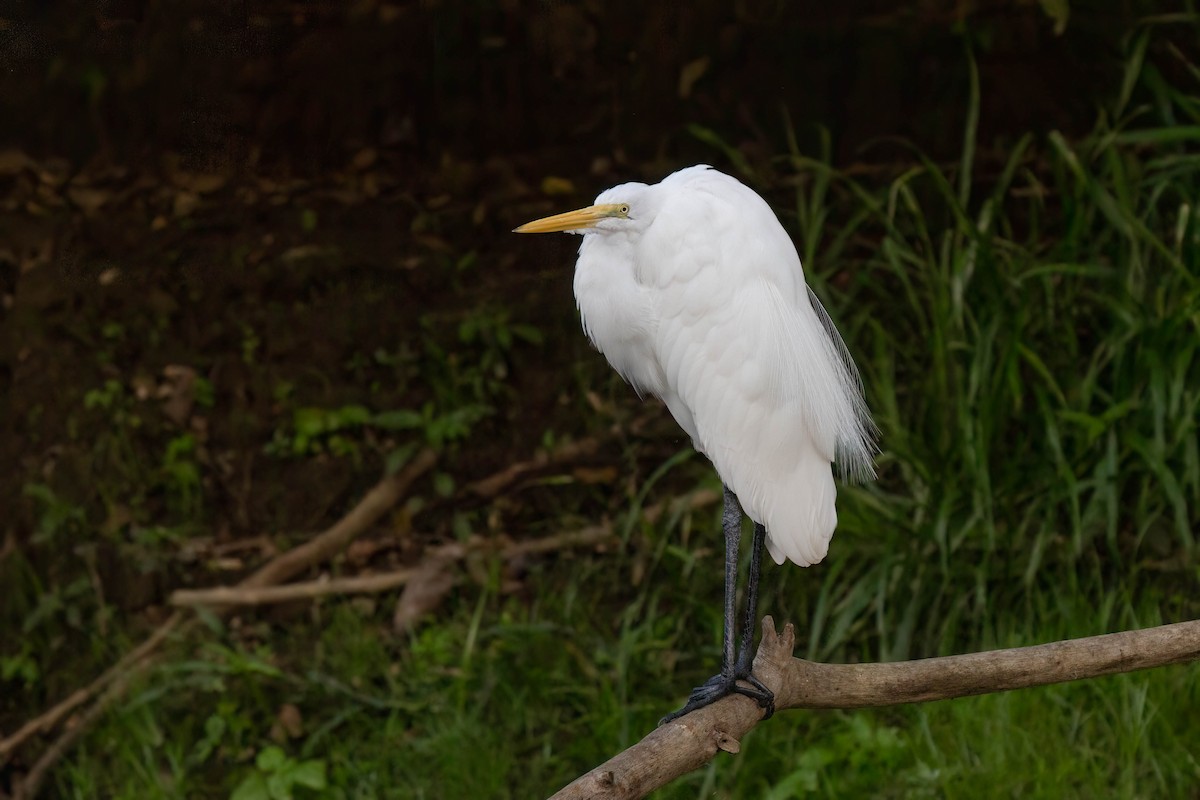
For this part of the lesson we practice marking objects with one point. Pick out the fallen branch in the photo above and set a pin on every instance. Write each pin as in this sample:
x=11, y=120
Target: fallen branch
x=111, y=683
x=243, y=595
x=499, y=481
x=383, y=496
x=31, y=784
x=49, y=719
x=386, y=581
x=692, y=741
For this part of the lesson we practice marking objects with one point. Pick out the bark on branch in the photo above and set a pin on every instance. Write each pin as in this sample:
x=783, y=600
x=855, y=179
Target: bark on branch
x=385, y=581
x=692, y=741
x=112, y=682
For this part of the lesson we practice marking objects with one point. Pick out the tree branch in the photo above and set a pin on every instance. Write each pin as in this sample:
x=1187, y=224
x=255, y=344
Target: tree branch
x=382, y=497
x=692, y=741
x=494, y=484
x=48, y=720
x=244, y=594
x=112, y=682
x=384, y=581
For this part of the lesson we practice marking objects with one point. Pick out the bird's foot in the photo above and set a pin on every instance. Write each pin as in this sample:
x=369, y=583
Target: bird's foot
x=723, y=685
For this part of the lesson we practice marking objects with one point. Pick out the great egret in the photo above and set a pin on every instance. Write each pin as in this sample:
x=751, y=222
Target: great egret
x=694, y=293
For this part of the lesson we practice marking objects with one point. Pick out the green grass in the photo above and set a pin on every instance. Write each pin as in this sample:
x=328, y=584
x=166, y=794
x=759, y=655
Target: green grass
x=1028, y=326
x=501, y=698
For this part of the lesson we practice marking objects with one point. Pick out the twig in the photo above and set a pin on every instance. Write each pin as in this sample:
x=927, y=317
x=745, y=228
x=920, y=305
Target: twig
x=49, y=719
x=499, y=481
x=364, y=584
x=242, y=595
x=692, y=741
x=29, y=787
x=382, y=582
x=375, y=504
x=114, y=680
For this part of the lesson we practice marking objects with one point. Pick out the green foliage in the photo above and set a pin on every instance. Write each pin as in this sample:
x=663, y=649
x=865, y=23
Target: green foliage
x=57, y=519
x=1030, y=354
x=20, y=668
x=464, y=385
x=337, y=431
x=113, y=399
x=181, y=473
x=857, y=756
x=276, y=777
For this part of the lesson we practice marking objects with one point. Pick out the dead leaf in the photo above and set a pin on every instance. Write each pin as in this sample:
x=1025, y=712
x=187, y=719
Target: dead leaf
x=347, y=197
x=361, y=551
x=435, y=243
x=290, y=720
x=194, y=182
x=205, y=182
x=186, y=203
x=303, y=252
x=422, y=594
x=692, y=72
x=555, y=186
x=40, y=256
x=480, y=213
x=178, y=392
x=49, y=195
x=88, y=199
x=13, y=161
x=364, y=158
x=54, y=171
x=199, y=426
x=601, y=475
x=370, y=184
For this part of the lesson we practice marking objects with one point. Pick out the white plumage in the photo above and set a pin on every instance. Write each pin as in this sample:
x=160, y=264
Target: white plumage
x=695, y=293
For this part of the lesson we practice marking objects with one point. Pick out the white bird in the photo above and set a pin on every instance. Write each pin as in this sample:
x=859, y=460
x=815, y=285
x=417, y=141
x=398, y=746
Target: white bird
x=695, y=294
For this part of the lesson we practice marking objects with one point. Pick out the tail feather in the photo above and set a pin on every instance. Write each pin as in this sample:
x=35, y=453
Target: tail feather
x=788, y=488
x=801, y=519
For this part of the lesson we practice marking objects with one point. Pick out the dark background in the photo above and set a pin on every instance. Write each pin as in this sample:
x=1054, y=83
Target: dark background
x=302, y=85
x=147, y=133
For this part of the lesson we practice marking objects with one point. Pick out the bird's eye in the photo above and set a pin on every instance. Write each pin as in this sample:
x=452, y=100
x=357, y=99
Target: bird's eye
x=623, y=210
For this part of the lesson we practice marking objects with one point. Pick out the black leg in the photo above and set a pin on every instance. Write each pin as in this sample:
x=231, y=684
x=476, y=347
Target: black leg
x=731, y=523
x=745, y=660
x=750, y=620
x=734, y=666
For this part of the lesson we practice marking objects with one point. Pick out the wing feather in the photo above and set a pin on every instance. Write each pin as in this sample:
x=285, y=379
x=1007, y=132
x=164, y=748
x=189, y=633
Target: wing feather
x=753, y=368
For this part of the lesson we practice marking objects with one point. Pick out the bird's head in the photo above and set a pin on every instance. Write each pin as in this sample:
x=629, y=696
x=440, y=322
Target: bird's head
x=616, y=209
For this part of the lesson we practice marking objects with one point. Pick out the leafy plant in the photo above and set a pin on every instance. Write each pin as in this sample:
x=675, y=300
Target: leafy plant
x=20, y=666
x=57, y=519
x=277, y=776
x=339, y=431
x=181, y=473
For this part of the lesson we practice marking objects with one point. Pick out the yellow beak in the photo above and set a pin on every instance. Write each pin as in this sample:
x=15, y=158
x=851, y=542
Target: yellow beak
x=572, y=220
